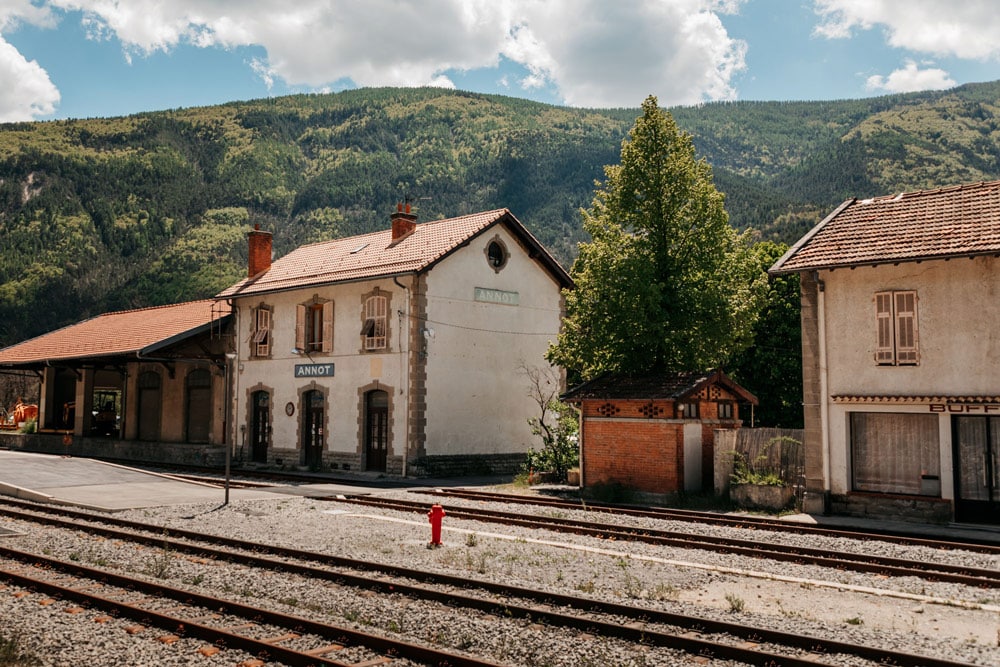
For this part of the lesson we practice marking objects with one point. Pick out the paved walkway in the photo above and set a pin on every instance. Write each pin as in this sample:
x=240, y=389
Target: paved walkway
x=114, y=487
x=101, y=486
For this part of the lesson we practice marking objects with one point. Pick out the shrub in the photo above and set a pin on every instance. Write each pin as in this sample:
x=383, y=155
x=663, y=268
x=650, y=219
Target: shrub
x=761, y=470
x=556, y=425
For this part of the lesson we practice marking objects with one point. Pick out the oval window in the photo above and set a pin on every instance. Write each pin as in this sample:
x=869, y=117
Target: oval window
x=496, y=253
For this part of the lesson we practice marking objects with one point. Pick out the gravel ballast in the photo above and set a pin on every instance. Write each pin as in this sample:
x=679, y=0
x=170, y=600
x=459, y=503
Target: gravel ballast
x=943, y=620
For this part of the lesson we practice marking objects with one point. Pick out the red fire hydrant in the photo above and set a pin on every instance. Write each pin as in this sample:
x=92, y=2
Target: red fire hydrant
x=435, y=516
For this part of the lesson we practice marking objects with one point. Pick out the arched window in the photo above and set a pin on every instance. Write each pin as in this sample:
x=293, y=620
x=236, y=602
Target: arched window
x=314, y=326
x=374, y=330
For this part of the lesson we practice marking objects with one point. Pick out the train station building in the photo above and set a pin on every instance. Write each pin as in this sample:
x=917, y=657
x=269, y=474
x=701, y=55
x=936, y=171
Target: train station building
x=402, y=352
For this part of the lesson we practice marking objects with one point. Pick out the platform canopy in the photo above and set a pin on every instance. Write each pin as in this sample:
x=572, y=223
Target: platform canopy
x=118, y=337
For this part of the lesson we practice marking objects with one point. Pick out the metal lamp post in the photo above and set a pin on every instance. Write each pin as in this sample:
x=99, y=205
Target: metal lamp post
x=230, y=358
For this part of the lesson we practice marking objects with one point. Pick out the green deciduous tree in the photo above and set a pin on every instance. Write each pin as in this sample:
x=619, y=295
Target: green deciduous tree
x=772, y=367
x=665, y=284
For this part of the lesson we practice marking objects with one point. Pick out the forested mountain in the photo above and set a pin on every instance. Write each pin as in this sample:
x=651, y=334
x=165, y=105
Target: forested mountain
x=115, y=213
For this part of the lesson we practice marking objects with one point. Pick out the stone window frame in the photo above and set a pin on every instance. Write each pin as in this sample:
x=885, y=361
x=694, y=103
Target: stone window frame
x=300, y=393
x=305, y=323
x=362, y=409
x=248, y=416
x=496, y=260
x=261, y=331
x=375, y=330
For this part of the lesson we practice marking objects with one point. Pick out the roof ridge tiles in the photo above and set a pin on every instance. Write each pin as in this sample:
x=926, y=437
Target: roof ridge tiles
x=148, y=308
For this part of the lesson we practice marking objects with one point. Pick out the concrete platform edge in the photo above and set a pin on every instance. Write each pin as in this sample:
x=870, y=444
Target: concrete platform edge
x=24, y=494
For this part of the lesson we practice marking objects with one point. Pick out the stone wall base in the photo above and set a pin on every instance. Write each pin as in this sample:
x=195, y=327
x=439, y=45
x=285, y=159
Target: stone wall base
x=169, y=453
x=918, y=509
x=471, y=465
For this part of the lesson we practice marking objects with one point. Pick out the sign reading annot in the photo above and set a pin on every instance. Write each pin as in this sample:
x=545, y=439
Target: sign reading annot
x=314, y=370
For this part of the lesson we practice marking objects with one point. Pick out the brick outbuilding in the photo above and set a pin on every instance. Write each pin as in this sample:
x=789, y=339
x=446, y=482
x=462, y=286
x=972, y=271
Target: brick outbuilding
x=654, y=433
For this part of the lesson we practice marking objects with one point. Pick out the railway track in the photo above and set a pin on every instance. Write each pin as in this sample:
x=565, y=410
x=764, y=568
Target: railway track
x=983, y=578
x=712, y=518
x=269, y=635
x=646, y=626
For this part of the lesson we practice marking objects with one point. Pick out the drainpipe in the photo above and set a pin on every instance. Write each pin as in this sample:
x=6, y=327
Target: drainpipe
x=824, y=407
x=404, y=370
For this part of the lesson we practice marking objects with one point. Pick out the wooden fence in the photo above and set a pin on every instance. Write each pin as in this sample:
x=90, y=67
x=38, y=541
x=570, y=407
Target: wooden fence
x=764, y=450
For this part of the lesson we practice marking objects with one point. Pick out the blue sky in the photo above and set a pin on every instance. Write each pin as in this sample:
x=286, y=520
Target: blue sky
x=93, y=58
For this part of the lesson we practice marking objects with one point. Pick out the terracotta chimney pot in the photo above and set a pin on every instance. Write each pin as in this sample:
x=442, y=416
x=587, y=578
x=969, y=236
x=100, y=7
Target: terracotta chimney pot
x=403, y=223
x=260, y=252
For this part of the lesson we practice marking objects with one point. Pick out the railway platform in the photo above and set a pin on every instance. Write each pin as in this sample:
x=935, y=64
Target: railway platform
x=104, y=486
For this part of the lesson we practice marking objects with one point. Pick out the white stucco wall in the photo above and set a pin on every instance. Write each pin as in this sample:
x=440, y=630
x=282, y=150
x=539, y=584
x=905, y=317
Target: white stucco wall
x=958, y=328
x=352, y=370
x=477, y=400
x=958, y=338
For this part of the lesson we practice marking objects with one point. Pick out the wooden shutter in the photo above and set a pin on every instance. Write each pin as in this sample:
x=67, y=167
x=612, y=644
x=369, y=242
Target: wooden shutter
x=300, y=327
x=262, y=339
x=906, y=327
x=885, y=343
x=327, y=345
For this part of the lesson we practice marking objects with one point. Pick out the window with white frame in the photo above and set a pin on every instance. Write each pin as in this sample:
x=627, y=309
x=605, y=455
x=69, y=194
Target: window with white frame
x=896, y=324
x=314, y=326
x=260, y=335
x=374, y=329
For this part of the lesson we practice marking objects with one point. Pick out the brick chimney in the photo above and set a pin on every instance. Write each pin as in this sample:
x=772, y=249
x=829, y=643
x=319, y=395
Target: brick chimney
x=260, y=251
x=404, y=223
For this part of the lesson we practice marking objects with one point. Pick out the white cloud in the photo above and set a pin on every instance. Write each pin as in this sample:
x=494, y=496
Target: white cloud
x=593, y=52
x=615, y=54
x=27, y=90
x=964, y=28
x=911, y=78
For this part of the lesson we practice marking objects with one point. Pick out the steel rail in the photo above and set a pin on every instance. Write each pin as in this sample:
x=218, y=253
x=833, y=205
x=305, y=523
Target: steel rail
x=823, y=557
x=642, y=634
x=187, y=626
x=747, y=522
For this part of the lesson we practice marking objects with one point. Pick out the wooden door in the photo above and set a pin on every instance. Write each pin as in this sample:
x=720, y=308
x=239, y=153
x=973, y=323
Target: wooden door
x=260, y=418
x=149, y=406
x=312, y=428
x=376, y=430
x=199, y=405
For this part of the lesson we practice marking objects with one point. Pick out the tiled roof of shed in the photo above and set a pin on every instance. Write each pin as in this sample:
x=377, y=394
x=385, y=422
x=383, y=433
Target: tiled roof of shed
x=125, y=332
x=374, y=255
x=654, y=386
x=958, y=221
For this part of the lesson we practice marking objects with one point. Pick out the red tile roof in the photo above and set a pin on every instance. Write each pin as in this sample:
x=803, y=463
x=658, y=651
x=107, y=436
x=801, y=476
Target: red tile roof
x=125, y=332
x=958, y=221
x=374, y=255
x=654, y=386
